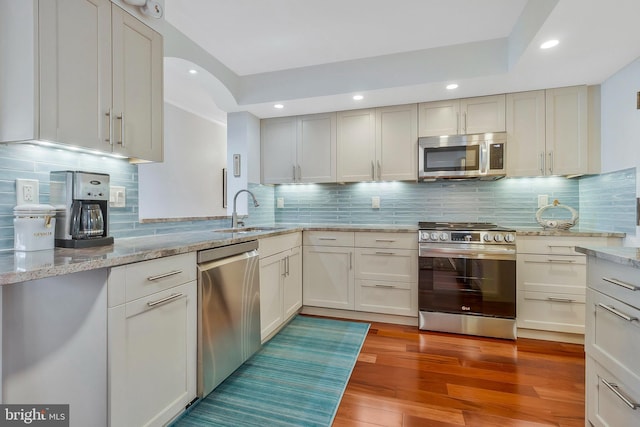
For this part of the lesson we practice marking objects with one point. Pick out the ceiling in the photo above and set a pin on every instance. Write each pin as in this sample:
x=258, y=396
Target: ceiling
x=314, y=55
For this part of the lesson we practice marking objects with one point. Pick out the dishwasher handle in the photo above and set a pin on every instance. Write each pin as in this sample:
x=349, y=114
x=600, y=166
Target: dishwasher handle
x=222, y=252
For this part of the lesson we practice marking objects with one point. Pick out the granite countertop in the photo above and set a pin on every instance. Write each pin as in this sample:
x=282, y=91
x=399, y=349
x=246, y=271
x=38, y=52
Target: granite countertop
x=619, y=254
x=18, y=267
x=572, y=232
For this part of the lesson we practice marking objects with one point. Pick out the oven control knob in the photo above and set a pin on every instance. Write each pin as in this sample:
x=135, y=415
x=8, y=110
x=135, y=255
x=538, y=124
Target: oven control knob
x=498, y=237
x=434, y=236
x=486, y=237
x=444, y=236
x=509, y=238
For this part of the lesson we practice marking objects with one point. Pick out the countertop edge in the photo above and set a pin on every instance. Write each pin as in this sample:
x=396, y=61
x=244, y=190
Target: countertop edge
x=623, y=255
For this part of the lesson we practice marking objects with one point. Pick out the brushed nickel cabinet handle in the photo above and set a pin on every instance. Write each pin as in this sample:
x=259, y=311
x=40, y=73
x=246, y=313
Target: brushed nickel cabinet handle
x=561, y=261
x=541, y=163
x=384, y=286
x=327, y=238
x=164, y=300
x=299, y=173
x=121, y=118
x=350, y=260
x=379, y=170
x=294, y=173
x=163, y=275
x=373, y=170
x=622, y=284
x=385, y=253
x=385, y=240
x=618, y=313
x=109, y=114
x=554, y=299
x=616, y=390
x=550, y=161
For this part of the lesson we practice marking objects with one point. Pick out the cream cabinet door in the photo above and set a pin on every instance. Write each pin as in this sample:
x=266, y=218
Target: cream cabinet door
x=526, y=133
x=152, y=357
x=482, y=114
x=397, y=143
x=278, y=139
x=292, y=283
x=75, y=77
x=356, y=139
x=328, y=279
x=439, y=118
x=137, y=88
x=271, y=277
x=566, y=131
x=316, y=148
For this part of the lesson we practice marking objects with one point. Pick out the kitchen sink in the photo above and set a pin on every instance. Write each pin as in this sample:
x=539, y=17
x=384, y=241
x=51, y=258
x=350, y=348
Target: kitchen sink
x=247, y=229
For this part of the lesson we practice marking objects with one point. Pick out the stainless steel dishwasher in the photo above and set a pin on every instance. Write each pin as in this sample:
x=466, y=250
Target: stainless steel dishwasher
x=228, y=311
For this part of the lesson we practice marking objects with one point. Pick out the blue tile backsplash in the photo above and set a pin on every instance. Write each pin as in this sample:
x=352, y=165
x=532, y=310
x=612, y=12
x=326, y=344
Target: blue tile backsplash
x=605, y=202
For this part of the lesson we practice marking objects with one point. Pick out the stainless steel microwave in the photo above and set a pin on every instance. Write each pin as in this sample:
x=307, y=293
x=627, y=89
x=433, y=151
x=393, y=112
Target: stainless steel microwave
x=480, y=156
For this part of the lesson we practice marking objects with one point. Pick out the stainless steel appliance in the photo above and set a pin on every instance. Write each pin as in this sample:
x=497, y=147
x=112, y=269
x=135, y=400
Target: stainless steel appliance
x=480, y=156
x=81, y=200
x=228, y=311
x=467, y=279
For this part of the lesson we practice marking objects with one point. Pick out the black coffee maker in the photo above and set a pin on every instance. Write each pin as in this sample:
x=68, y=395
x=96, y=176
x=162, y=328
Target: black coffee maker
x=81, y=200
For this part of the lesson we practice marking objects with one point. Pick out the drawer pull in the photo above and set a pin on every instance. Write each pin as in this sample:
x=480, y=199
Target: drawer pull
x=616, y=390
x=561, y=246
x=385, y=253
x=327, y=238
x=163, y=275
x=384, y=286
x=554, y=299
x=163, y=300
x=621, y=284
x=561, y=261
x=385, y=240
x=617, y=313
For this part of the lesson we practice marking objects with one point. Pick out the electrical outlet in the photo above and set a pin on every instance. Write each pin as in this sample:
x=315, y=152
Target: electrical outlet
x=280, y=202
x=543, y=200
x=27, y=191
x=375, y=202
x=117, y=196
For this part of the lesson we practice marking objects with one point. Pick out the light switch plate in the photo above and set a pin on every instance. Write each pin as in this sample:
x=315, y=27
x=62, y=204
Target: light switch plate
x=375, y=202
x=543, y=200
x=117, y=196
x=280, y=203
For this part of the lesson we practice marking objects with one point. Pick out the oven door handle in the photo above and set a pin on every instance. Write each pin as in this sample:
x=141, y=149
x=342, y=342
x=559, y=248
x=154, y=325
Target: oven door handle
x=495, y=254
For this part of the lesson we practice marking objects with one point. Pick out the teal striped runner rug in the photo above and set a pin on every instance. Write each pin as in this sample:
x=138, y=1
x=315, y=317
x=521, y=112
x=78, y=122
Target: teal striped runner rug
x=296, y=379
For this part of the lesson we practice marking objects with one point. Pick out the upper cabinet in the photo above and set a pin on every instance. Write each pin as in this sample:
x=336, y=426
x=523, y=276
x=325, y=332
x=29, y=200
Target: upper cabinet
x=298, y=149
x=92, y=77
x=462, y=116
x=548, y=134
x=378, y=144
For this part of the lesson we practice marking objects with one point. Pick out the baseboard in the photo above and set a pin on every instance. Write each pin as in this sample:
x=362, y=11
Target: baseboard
x=551, y=336
x=361, y=315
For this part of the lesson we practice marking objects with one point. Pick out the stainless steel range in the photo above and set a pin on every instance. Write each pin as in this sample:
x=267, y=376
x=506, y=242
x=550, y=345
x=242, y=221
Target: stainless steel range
x=467, y=279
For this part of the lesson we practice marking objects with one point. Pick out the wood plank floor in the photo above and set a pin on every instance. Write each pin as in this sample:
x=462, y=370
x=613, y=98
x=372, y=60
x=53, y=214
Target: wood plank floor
x=406, y=377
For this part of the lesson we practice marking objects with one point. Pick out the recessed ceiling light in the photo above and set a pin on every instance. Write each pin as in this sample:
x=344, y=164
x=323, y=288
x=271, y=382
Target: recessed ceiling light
x=452, y=86
x=278, y=106
x=549, y=44
x=192, y=71
x=358, y=97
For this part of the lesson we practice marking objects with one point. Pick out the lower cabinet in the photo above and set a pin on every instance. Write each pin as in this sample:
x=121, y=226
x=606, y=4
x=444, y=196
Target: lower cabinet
x=551, y=285
x=280, y=281
x=152, y=340
x=363, y=271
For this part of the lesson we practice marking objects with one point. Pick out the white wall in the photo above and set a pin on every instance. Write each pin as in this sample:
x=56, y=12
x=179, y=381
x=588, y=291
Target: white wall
x=188, y=183
x=621, y=126
x=243, y=138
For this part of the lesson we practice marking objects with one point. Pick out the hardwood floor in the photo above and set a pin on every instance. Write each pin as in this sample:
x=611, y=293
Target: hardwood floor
x=406, y=377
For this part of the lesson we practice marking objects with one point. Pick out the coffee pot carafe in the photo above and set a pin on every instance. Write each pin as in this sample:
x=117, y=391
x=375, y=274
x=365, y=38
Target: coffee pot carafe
x=81, y=200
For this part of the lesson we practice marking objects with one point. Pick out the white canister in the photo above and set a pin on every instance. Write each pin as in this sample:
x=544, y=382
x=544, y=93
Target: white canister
x=34, y=227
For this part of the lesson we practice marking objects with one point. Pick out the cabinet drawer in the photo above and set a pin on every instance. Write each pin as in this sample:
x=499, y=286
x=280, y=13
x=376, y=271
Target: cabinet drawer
x=610, y=398
x=552, y=269
x=613, y=335
x=386, y=240
x=328, y=238
x=552, y=311
x=559, y=245
x=385, y=297
x=272, y=245
x=395, y=265
x=145, y=278
x=615, y=279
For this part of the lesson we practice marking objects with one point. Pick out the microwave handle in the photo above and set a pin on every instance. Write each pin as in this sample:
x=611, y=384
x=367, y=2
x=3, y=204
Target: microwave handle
x=484, y=158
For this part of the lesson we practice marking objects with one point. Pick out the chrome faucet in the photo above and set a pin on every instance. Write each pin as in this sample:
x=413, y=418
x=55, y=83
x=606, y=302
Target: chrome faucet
x=234, y=215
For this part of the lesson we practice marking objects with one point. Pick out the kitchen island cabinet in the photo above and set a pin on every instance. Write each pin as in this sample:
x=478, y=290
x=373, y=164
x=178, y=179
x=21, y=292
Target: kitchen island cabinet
x=378, y=144
x=298, y=149
x=462, y=116
x=280, y=281
x=92, y=77
x=551, y=286
x=612, y=336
